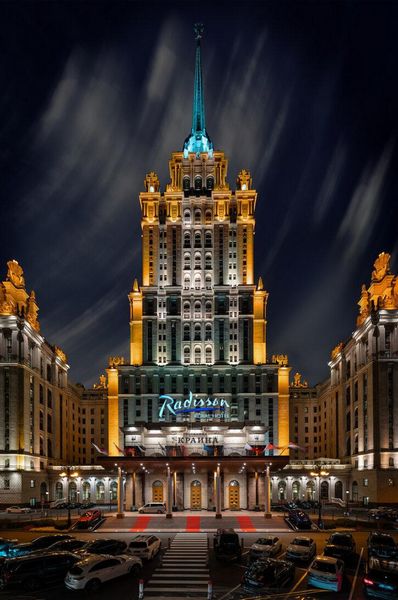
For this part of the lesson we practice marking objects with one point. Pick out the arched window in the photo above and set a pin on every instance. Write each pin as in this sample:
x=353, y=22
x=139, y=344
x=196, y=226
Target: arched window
x=187, y=239
x=198, y=282
x=187, y=216
x=198, y=183
x=59, y=490
x=296, y=490
x=197, y=355
x=186, y=184
x=208, y=261
x=187, y=332
x=281, y=490
x=197, y=310
x=198, y=260
x=324, y=490
x=338, y=490
x=113, y=491
x=208, y=332
x=187, y=281
x=197, y=335
x=72, y=496
x=208, y=242
x=186, y=354
x=86, y=491
x=210, y=183
x=208, y=309
x=198, y=239
x=187, y=260
x=208, y=355
x=208, y=282
x=356, y=418
x=208, y=217
x=100, y=491
x=310, y=490
x=198, y=216
x=187, y=310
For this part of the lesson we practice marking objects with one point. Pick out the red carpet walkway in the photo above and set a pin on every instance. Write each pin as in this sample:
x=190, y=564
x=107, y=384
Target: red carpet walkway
x=193, y=524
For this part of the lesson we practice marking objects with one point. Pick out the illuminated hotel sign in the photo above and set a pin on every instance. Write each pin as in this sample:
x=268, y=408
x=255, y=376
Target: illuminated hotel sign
x=191, y=404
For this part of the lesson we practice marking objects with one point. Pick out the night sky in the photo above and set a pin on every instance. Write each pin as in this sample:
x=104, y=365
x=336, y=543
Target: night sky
x=95, y=95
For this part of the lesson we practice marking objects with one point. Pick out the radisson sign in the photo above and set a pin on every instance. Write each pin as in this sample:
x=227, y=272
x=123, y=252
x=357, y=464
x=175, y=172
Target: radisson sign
x=191, y=404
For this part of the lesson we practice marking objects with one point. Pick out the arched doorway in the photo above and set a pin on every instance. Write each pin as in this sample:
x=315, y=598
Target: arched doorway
x=100, y=492
x=355, y=491
x=196, y=495
x=282, y=490
x=59, y=490
x=296, y=490
x=72, y=491
x=86, y=491
x=338, y=490
x=157, y=491
x=113, y=491
x=324, y=490
x=310, y=490
x=234, y=495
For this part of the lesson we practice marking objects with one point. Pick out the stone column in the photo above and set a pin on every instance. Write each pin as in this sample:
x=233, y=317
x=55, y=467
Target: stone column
x=169, y=501
x=218, y=492
x=256, y=503
x=120, y=512
x=267, y=494
x=129, y=492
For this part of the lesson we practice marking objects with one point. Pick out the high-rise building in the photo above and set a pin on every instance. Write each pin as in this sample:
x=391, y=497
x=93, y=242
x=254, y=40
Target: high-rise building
x=199, y=381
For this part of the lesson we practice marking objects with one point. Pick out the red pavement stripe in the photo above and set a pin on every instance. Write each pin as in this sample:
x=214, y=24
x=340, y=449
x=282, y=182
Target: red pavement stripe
x=246, y=524
x=140, y=523
x=193, y=524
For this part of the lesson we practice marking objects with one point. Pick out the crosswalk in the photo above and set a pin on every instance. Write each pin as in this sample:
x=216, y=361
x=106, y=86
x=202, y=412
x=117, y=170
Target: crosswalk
x=184, y=570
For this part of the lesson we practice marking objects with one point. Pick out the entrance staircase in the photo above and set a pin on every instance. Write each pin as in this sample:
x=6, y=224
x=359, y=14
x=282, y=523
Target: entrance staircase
x=184, y=570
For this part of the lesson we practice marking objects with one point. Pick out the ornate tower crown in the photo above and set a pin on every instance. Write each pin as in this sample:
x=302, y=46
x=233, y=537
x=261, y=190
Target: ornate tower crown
x=198, y=141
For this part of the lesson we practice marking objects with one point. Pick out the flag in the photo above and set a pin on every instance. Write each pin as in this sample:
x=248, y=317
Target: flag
x=248, y=447
x=294, y=446
x=163, y=449
x=141, y=448
x=99, y=450
x=269, y=447
x=119, y=449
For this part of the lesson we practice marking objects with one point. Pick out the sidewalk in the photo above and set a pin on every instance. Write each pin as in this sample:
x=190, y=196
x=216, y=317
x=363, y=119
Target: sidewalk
x=194, y=522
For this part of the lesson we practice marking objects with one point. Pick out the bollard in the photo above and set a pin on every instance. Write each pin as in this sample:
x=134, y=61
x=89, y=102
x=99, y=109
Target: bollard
x=141, y=589
x=209, y=590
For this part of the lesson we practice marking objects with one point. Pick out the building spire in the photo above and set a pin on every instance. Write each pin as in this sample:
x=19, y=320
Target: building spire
x=198, y=141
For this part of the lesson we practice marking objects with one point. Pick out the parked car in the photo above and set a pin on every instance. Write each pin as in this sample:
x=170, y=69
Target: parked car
x=153, y=508
x=18, y=510
x=266, y=546
x=341, y=545
x=5, y=545
x=61, y=503
x=87, y=505
x=381, y=512
x=326, y=573
x=144, y=546
x=299, y=519
x=301, y=548
x=267, y=574
x=227, y=545
x=89, y=519
x=104, y=546
x=40, y=543
x=89, y=573
x=381, y=545
x=381, y=579
x=35, y=571
x=71, y=545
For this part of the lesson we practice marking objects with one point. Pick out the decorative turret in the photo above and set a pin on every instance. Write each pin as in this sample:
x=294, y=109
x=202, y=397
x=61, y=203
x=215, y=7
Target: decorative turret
x=198, y=141
x=382, y=292
x=14, y=299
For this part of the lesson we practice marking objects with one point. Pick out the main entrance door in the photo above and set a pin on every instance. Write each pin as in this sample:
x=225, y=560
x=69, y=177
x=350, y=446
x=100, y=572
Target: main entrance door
x=157, y=491
x=196, y=495
x=233, y=495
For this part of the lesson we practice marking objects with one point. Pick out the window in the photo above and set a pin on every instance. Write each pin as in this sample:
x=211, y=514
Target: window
x=208, y=332
x=186, y=184
x=186, y=354
x=197, y=333
x=197, y=355
x=198, y=239
x=198, y=186
x=187, y=332
x=208, y=355
x=187, y=239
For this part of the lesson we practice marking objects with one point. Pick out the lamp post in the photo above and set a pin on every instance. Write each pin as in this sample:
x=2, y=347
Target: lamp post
x=68, y=474
x=347, y=498
x=319, y=472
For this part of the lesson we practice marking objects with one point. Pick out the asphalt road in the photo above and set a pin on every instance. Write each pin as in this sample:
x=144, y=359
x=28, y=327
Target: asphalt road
x=226, y=578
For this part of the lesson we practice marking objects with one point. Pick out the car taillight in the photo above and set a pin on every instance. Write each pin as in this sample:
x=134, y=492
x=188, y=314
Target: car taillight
x=368, y=581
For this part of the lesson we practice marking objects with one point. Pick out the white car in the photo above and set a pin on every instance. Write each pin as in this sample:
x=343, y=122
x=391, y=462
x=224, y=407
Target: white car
x=265, y=546
x=18, y=510
x=144, y=546
x=326, y=573
x=301, y=548
x=91, y=572
x=156, y=508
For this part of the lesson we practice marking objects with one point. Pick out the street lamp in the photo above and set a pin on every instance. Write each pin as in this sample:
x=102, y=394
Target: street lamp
x=319, y=472
x=347, y=498
x=68, y=474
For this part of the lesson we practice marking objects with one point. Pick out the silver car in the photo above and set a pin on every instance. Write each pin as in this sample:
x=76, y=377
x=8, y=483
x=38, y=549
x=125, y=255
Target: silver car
x=301, y=548
x=156, y=508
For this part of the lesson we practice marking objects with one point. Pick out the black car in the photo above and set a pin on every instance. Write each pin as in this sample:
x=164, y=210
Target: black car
x=227, y=545
x=299, y=519
x=381, y=580
x=71, y=545
x=341, y=545
x=104, y=546
x=268, y=574
x=40, y=543
x=5, y=545
x=34, y=571
x=381, y=545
